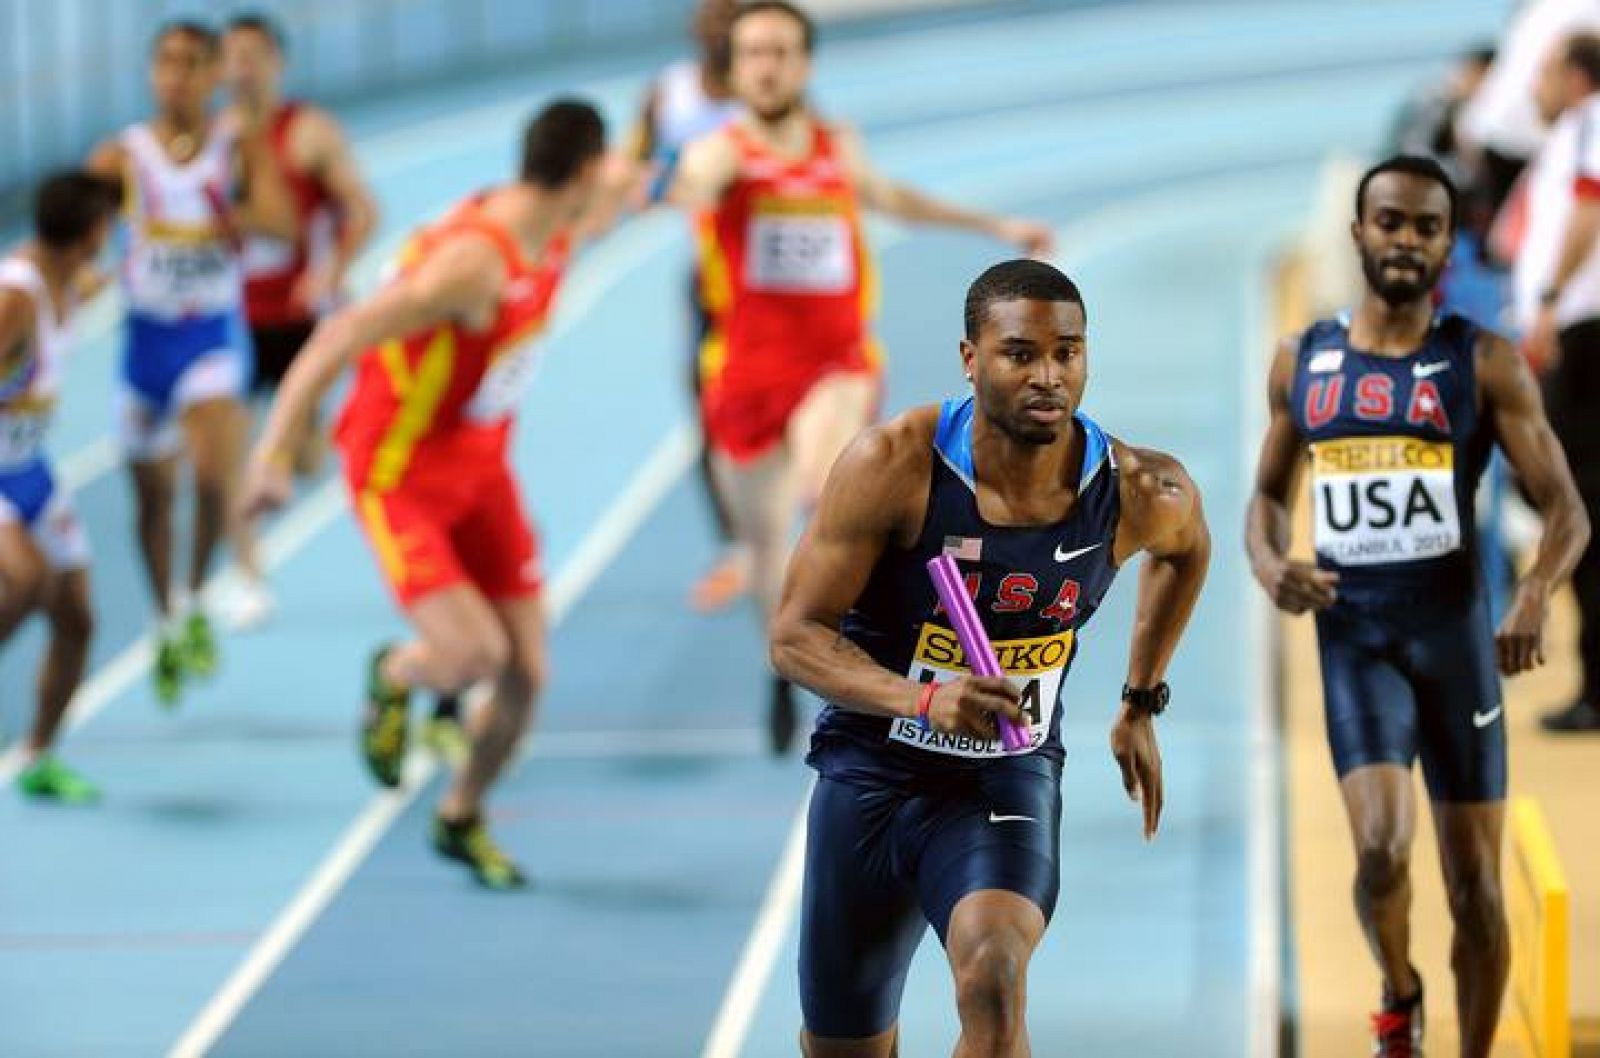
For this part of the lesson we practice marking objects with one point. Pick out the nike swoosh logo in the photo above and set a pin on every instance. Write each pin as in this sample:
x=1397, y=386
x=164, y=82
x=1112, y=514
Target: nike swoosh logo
x=1424, y=370
x=994, y=818
x=1485, y=719
x=1068, y=556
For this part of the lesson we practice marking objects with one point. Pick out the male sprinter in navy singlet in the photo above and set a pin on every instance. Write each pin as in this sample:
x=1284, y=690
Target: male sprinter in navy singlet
x=1398, y=409
x=919, y=815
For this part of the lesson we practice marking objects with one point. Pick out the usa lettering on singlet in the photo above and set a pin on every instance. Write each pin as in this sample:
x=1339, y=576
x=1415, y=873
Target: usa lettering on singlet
x=1396, y=447
x=182, y=258
x=30, y=377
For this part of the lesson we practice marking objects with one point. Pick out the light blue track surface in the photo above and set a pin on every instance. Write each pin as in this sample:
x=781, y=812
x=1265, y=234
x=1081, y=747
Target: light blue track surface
x=1171, y=146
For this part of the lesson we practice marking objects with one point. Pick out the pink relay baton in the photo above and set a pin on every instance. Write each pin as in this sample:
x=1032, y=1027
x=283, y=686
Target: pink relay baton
x=974, y=640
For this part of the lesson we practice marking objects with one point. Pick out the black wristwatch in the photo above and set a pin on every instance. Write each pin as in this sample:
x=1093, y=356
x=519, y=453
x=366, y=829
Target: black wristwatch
x=1151, y=701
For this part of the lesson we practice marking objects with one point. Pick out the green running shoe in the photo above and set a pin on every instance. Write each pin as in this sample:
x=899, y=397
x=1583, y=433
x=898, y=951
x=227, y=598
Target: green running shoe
x=47, y=779
x=384, y=726
x=447, y=739
x=199, y=646
x=470, y=843
x=167, y=671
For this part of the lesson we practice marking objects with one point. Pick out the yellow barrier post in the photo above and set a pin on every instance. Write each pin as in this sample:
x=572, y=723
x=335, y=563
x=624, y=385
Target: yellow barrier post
x=1541, y=959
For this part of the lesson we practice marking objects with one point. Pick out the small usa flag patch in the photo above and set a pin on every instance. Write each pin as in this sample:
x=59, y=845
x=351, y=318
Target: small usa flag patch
x=964, y=548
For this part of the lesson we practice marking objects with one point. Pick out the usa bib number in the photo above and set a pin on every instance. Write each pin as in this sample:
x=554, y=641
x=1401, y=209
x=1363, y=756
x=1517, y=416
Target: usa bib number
x=1384, y=499
x=1035, y=667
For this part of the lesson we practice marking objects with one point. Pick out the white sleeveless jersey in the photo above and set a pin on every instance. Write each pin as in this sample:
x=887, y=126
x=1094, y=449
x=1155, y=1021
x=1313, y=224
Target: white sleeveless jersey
x=30, y=376
x=683, y=111
x=181, y=260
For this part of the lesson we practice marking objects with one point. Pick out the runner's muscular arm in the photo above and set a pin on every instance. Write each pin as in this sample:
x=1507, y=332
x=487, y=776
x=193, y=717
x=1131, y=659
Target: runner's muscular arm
x=626, y=173
x=1294, y=587
x=16, y=323
x=1162, y=516
x=906, y=203
x=109, y=161
x=1577, y=243
x=334, y=166
x=873, y=494
x=461, y=280
x=705, y=169
x=1511, y=398
x=261, y=202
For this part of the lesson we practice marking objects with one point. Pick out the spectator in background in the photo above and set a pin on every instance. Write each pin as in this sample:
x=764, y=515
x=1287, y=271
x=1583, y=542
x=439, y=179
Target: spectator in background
x=1472, y=286
x=1499, y=128
x=1426, y=123
x=1557, y=301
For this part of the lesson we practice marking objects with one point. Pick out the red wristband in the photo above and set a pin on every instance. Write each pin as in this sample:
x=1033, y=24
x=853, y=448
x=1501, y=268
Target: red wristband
x=925, y=702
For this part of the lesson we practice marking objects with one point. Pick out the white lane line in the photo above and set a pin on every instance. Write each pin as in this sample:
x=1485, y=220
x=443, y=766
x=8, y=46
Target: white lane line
x=1263, y=856
x=760, y=955
x=85, y=464
x=1116, y=224
x=666, y=464
x=291, y=533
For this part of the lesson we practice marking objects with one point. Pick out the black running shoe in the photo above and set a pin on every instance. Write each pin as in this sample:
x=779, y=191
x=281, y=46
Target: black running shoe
x=1577, y=717
x=384, y=731
x=469, y=842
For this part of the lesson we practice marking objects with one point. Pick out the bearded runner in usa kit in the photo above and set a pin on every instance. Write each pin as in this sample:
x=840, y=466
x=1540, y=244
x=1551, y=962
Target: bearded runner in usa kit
x=1398, y=409
x=920, y=816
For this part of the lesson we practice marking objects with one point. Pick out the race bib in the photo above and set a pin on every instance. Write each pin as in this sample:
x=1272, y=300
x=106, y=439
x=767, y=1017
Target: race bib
x=183, y=270
x=264, y=255
x=800, y=248
x=1384, y=499
x=1035, y=667
x=503, y=384
x=21, y=436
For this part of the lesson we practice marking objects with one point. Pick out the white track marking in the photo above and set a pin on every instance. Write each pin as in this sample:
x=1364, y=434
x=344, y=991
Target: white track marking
x=666, y=464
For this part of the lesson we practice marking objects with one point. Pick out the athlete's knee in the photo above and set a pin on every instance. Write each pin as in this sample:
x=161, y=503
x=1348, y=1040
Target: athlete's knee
x=989, y=981
x=521, y=682
x=153, y=495
x=213, y=478
x=1382, y=866
x=483, y=655
x=1477, y=905
x=23, y=581
x=71, y=620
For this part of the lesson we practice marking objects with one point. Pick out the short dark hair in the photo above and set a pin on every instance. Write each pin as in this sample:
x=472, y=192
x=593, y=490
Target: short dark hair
x=262, y=23
x=195, y=30
x=68, y=205
x=808, y=28
x=1023, y=278
x=1413, y=165
x=559, y=140
x=1582, y=53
